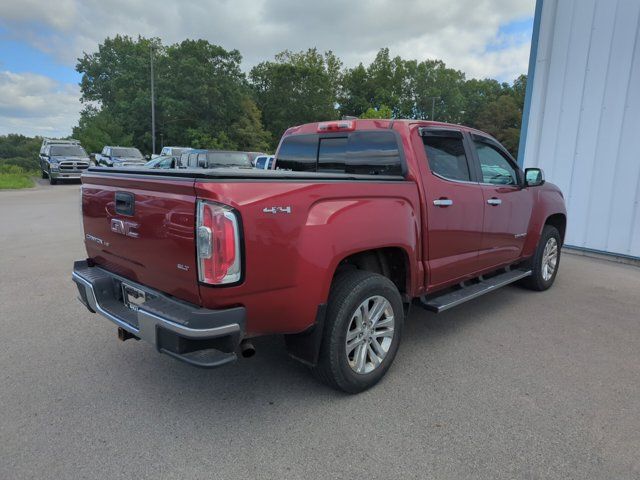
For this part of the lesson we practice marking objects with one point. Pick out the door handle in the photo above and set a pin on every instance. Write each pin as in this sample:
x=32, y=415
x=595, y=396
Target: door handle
x=494, y=201
x=443, y=202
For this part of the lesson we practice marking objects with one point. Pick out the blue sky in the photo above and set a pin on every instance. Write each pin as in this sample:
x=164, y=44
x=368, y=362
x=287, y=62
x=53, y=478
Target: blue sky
x=21, y=57
x=41, y=40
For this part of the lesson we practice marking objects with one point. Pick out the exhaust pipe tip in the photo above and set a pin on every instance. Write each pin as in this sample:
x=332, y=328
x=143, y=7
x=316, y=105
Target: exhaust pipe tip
x=247, y=350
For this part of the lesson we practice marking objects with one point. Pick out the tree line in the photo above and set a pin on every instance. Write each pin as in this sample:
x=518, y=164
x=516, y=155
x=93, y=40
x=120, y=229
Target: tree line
x=204, y=99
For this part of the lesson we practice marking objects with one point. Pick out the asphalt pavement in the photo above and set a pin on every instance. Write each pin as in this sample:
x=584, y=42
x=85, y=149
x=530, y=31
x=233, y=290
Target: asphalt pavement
x=513, y=385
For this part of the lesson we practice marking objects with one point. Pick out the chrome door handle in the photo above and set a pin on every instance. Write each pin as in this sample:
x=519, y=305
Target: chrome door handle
x=443, y=202
x=494, y=201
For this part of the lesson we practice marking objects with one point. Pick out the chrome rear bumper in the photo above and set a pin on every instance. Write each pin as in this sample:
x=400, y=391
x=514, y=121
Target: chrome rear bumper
x=201, y=337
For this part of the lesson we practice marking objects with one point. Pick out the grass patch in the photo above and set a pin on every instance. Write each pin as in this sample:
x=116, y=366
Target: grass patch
x=13, y=177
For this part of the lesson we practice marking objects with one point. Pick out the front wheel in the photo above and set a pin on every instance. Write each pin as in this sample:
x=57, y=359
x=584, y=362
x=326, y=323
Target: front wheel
x=546, y=260
x=52, y=181
x=362, y=331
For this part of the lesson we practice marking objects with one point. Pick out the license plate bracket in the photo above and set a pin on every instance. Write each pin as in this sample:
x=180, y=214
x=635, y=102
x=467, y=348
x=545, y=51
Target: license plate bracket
x=133, y=297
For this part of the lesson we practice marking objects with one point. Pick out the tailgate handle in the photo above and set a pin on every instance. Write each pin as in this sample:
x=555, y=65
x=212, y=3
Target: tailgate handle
x=125, y=203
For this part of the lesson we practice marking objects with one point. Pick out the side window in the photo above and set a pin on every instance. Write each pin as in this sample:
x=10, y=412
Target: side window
x=193, y=160
x=496, y=169
x=298, y=153
x=446, y=155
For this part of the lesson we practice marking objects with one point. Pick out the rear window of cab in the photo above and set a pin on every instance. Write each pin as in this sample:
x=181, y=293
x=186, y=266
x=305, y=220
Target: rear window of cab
x=359, y=153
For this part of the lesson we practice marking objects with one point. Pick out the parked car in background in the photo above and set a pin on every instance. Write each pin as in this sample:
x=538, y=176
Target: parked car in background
x=164, y=161
x=361, y=219
x=172, y=151
x=62, y=160
x=265, y=162
x=216, y=159
x=120, y=157
x=57, y=141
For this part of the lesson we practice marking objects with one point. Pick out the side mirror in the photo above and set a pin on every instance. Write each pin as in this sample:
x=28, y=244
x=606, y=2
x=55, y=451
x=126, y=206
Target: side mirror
x=533, y=177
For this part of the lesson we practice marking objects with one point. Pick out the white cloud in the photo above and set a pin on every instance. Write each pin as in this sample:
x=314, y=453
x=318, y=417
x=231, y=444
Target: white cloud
x=457, y=32
x=37, y=105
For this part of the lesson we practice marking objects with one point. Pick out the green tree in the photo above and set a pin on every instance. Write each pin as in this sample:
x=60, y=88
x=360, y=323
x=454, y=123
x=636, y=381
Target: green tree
x=502, y=118
x=20, y=151
x=296, y=88
x=116, y=78
x=382, y=112
x=202, y=96
x=99, y=128
x=478, y=94
x=200, y=87
x=247, y=133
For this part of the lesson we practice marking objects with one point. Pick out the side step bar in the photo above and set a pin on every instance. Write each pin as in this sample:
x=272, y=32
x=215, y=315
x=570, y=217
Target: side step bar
x=451, y=299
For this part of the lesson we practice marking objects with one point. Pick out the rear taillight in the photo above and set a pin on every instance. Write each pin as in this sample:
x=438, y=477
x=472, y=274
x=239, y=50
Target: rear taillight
x=218, y=244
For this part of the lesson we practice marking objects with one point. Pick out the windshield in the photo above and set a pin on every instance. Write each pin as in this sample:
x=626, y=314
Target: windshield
x=69, y=151
x=224, y=159
x=153, y=163
x=126, y=152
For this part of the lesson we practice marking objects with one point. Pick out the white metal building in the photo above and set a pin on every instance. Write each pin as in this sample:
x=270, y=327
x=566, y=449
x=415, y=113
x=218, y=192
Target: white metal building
x=581, y=120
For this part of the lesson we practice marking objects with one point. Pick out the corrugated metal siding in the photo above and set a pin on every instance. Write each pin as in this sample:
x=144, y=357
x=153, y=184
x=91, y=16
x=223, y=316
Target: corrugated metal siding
x=584, y=118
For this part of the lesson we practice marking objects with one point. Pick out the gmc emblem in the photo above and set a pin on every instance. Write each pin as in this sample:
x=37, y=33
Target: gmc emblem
x=128, y=229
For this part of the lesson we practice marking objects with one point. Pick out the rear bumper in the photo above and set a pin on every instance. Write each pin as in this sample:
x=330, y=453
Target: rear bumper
x=198, y=336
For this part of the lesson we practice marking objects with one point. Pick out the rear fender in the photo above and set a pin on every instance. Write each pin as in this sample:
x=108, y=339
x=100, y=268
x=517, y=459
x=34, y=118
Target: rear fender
x=338, y=228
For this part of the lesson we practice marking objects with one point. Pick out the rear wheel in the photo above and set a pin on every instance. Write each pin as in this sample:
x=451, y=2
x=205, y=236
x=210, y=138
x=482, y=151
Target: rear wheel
x=546, y=260
x=362, y=331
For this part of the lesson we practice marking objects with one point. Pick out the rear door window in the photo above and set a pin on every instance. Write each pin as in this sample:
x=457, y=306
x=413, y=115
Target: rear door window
x=446, y=154
x=360, y=153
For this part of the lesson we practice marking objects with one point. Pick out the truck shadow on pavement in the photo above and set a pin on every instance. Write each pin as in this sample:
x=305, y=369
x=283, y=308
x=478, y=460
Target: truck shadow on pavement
x=257, y=385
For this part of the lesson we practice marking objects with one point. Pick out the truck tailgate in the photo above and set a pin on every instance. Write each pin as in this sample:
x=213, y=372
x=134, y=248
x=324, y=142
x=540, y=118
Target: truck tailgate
x=143, y=229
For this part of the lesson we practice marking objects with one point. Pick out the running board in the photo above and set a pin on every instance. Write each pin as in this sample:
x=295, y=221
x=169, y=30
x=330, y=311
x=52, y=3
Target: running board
x=449, y=300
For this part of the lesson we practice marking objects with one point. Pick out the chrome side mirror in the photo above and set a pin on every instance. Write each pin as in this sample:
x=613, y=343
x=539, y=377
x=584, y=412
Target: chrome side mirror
x=533, y=177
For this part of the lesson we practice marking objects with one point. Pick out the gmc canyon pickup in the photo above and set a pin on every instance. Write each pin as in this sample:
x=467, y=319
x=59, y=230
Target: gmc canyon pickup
x=360, y=219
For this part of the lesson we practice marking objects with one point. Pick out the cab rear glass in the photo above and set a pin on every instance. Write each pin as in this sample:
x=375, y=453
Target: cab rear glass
x=360, y=153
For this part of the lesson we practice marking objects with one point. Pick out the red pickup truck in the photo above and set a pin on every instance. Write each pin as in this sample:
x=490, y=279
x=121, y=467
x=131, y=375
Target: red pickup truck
x=360, y=219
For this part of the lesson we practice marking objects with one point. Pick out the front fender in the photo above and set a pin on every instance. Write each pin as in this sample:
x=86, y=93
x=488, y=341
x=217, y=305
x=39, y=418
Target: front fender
x=548, y=201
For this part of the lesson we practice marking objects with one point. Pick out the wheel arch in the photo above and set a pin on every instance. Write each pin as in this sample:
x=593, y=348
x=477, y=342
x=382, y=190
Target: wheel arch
x=558, y=220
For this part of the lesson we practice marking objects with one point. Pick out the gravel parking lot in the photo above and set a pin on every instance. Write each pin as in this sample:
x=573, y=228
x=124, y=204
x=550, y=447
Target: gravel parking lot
x=515, y=384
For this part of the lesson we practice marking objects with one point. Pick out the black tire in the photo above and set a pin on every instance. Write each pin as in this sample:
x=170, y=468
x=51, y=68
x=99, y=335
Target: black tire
x=53, y=181
x=349, y=290
x=44, y=174
x=537, y=281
